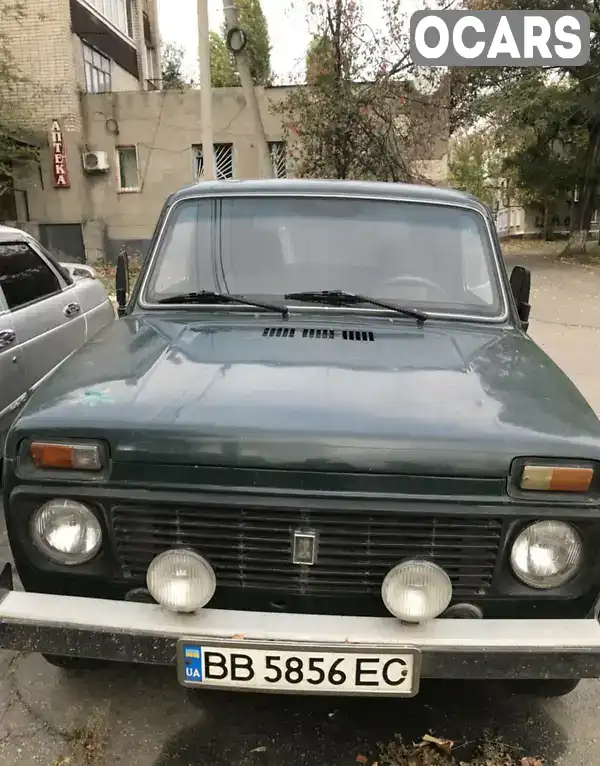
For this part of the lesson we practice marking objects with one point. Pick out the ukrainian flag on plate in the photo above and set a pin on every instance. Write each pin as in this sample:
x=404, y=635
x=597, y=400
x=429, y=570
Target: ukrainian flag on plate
x=192, y=662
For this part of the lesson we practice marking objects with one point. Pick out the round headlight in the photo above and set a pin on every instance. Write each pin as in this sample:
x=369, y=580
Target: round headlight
x=547, y=554
x=415, y=591
x=181, y=580
x=66, y=531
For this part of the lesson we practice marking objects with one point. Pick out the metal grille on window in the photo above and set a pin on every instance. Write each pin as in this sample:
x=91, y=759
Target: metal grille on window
x=224, y=165
x=278, y=158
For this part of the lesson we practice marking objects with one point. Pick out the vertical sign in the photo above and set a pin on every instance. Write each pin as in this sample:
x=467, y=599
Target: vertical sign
x=60, y=171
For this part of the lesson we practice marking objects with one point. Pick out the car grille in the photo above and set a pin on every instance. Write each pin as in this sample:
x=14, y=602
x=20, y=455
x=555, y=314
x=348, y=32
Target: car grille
x=253, y=548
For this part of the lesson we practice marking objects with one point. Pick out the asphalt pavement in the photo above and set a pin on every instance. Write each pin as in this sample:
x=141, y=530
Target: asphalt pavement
x=142, y=717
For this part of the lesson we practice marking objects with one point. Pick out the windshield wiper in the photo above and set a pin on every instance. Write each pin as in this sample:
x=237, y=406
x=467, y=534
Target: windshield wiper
x=209, y=297
x=342, y=298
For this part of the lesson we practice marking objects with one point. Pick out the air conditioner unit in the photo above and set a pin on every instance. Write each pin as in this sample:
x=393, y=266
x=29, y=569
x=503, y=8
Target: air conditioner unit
x=95, y=162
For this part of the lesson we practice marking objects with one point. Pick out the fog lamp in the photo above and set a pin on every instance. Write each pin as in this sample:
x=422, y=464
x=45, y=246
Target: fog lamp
x=415, y=591
x=181, y=580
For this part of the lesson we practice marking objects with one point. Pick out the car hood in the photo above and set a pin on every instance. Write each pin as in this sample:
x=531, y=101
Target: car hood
x=444, y=398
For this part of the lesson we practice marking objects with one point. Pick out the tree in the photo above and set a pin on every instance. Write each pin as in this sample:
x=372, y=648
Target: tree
x=544, y=145
x=16, y=149
x=320, y=59
x=223, y=74
x=172, y=68
x=475, y=165
x=359, y=116
x=223, y=67
x=579, y=155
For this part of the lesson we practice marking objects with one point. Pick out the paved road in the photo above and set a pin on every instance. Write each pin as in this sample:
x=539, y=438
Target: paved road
x=141, y=717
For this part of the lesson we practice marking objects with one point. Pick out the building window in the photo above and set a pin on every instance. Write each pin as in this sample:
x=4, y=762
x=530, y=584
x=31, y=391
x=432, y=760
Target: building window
x=151, y=74
x=127, y=169
x=278, y=153
x=224, y=164
x=97, y=71
x=118, y=12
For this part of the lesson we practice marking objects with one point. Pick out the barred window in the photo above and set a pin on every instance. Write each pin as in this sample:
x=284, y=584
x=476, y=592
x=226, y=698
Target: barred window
x=224, y=162
x=278, y=153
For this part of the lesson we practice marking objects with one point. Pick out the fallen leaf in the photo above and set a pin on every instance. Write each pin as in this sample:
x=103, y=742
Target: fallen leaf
x=362, y=759
x=260, y=749
x=444, y=744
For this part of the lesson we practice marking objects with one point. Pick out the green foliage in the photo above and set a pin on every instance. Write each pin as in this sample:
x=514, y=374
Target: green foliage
x=223, y=68
x=475, y=166
x=172, y=68
x=320, y=59
x=223, y=75
x=357, y=118
x=545, y=147
x=550, y=120
x=15, y=150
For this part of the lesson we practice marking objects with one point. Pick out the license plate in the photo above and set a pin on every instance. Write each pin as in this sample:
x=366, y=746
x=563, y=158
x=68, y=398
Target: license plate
x=251, y=668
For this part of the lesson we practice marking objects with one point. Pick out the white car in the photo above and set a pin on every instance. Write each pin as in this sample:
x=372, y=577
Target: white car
x=47, y=310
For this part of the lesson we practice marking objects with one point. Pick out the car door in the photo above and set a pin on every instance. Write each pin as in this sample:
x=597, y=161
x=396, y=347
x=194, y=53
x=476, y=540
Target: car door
x=12, y=385
x=46, y=316
x=88, y=291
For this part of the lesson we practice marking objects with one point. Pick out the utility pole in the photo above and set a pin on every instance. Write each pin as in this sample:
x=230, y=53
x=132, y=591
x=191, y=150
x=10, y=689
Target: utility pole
x=208, y=152
x=236, y=42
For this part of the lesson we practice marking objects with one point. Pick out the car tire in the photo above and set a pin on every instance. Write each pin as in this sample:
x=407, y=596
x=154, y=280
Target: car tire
x=545, y=688
x=73, y=663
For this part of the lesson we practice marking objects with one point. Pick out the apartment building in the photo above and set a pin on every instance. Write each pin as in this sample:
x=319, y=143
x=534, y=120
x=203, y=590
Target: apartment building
x=65, y=50
x=113, y=144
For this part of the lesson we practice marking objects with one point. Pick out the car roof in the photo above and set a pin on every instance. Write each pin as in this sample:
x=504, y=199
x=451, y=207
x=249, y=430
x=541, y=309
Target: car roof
x=398, y=191
x=11, y=233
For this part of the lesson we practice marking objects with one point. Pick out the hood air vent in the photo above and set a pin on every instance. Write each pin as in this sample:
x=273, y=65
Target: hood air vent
x=312, y=333
x=279, y=332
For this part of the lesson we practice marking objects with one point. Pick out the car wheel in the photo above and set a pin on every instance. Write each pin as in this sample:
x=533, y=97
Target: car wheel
x=74, y=663
x=545, y=687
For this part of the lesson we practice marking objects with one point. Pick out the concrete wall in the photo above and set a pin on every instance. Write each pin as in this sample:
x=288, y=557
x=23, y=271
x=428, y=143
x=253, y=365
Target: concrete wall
x=163, y=125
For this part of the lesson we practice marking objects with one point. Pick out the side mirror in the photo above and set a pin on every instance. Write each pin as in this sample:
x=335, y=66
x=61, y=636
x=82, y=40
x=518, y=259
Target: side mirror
x=122, y=282
x=520, y=284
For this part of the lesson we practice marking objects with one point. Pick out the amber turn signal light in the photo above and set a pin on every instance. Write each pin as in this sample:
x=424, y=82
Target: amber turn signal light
x=76, y=457
x=556, y=478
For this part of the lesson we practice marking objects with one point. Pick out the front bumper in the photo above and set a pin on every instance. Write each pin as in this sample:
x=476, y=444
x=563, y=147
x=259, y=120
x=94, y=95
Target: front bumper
x=146, y=633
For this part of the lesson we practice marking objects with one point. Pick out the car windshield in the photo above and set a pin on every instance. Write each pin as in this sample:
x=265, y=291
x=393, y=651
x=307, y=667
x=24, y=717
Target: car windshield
x=428, y=256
